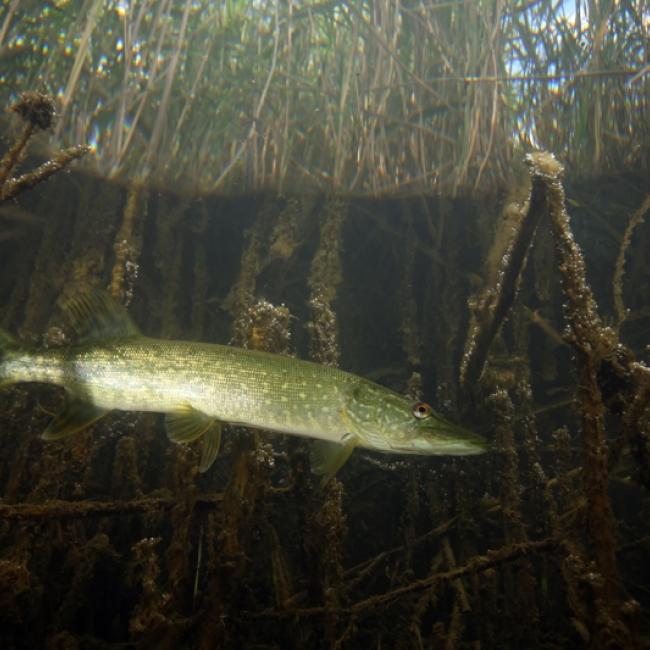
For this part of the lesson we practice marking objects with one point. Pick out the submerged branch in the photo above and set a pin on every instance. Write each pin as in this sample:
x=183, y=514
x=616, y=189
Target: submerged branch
x=594, y=344
x=61, y=509
x=498, y=300
x=38, y=112
x=619, y=270
x=475, y=565
x=61, y=159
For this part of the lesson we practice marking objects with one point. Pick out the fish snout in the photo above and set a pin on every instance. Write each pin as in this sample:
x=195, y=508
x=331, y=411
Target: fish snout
x=457, y=441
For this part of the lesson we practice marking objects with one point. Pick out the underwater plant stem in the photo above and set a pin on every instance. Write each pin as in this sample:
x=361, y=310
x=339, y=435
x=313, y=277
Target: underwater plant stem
x=164, y=102
x=359, y=571
x=499, y=301
x=592, y=343
x=258, y=108
x=475, y=565
x=15, y=153
x=339, y=159
x=324, y=279
x=61, y=159
x=119, y=149
x=636, y=429
x=60, y=509
x=181, y=543
x=619, y=270
x=80, y=57
x=509, y=497
x=127, y=246
x=461, y=593
x=492, y=58
x=7, y=21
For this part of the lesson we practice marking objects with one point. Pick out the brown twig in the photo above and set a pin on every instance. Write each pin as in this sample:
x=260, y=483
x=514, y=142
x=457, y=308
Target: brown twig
x=593, y=343
x=127, y=245
x=258, y=109
x=619, y=270
x=37, y=111
x=59, y=509
x=497, y=301
x=61, y=159
x=15, y=153
x=475, y=565
x=360, y=571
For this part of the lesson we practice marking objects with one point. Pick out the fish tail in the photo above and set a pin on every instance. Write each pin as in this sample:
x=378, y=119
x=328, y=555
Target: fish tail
x=7, y=343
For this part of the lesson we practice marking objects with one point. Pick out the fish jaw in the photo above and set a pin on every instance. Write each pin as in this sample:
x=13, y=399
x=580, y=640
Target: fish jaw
x=457, y=444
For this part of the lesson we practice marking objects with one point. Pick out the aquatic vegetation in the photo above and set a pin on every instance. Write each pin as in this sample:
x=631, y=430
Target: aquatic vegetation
x=364, y=97
x=324, y=279
x=493, y=307
x=114, y=537
x=322, y=108
x=127, y=246
x=636, y=219
x=38, y=112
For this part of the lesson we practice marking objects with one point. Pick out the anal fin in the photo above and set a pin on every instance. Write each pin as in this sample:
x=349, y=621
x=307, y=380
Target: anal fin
x=210, y=446
x=186, y=424
x=73, y=417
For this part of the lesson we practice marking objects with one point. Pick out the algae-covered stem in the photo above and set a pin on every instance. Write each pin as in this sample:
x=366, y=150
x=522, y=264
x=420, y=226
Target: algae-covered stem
x=497, y=301
x=128, y=244
x=38, y=112
x=327, y=527
x=15, y=153
x=619, y=269
x=593, y=343
x=475, y=565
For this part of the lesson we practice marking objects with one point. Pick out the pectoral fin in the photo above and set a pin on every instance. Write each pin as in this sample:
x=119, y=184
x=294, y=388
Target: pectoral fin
x=327, y=458
x=73, y=417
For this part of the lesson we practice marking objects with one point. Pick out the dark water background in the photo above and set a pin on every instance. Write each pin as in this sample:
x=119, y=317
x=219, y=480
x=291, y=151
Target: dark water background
x=253, y=554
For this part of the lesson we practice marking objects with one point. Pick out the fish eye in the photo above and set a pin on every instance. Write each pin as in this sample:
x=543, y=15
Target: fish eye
x=421, y=410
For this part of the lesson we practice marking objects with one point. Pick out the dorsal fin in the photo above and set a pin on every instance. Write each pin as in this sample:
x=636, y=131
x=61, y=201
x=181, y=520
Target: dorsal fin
x=95, y=315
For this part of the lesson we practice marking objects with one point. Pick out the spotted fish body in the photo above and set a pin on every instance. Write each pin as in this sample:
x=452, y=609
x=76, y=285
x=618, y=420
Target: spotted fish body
x=114, y=367
x=230, y=384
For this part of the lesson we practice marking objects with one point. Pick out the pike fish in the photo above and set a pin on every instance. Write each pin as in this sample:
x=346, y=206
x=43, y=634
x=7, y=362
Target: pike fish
x=200, y=386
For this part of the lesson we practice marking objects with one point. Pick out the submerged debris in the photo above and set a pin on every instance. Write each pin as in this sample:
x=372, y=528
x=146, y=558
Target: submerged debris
x=38, y=111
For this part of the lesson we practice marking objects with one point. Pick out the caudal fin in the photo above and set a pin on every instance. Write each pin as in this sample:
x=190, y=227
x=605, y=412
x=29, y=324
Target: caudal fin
x=6, y=342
